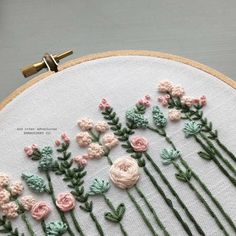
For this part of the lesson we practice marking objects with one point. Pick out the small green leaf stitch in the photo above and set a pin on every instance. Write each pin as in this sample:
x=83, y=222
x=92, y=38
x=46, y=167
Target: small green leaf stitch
x=169, y=155
x=99, y=187
x=191, y=128
x=184, y=176
x=158, y=117
x=34, y=182
x=56, y=228
x=117, y=215
x=47, y=151
x=136, y=118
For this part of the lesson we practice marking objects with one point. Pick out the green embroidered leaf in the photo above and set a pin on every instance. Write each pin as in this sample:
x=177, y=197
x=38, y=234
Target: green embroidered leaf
x=180, y=177
x=205, y=156
x=141, y=162
x=111, y=217
x=120, y=211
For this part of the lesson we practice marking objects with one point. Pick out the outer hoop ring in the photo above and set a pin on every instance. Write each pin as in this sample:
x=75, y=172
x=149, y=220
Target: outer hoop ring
x=91, y=57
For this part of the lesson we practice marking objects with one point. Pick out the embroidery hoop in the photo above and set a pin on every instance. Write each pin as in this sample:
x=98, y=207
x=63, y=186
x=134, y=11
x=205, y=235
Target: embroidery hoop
x=96, y=56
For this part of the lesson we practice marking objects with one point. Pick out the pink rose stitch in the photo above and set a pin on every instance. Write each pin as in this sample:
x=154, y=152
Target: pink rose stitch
x=109, y=141
x=165, y=86
x=104, y=104
x=4, y=197
x=95, y=150
x=174, y=114
x=40, y=210
x=85, y=124
x=81, y=160
x=65, y=202
x=16, y=188
x=10, y=210
x=27, y=202
x=101, y=126
x=139, y=144
x=83, y=139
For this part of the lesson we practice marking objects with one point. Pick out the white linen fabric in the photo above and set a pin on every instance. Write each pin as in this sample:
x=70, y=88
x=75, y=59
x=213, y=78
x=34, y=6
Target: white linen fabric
x=61, y=99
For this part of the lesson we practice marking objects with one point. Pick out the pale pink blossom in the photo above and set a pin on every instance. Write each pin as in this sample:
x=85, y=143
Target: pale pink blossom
x=203, y=100
x=27, y=202
x=65, y=137
x=139, y=144
x=40, y=210
x=163, y=100
x=124, y=172
x=177, y=91
x=4, y=197
x=35, y=146
x=83, y=139
x=101, y=126
x=104, y=104
x=16, y=188
x=165, y=86
x=4, y=180
x=109, y=141
x=10, y=210
x=95, y=150
x=57, y=142
x=81, y=160
x=65, y=202
x=85, y=124
x=28, y=151
x=145, y=101
x=174, y=114
x=187, y=100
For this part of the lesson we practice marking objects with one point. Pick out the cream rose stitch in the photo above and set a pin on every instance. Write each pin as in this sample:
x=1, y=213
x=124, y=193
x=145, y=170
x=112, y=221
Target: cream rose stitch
x=65, y=202
x=124, y=172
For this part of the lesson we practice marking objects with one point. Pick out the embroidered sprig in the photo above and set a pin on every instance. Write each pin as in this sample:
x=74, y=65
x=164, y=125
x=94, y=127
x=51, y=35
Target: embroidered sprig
x=6, y=227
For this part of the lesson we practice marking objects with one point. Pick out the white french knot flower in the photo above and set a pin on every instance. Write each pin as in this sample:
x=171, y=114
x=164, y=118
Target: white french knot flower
x=4, y=197
x=27, y=202
x=83, y=139
x=165, y=86
x=174, y=114
x=10, y=210
x=95, y=150
x=4, y=180
x=177, y=91
x=124, y=172
x=101, y=126
x=16, y=188
x=109, y=141
x=85, y=124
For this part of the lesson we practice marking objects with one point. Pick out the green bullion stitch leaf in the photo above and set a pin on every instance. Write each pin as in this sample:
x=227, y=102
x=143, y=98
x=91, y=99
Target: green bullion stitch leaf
x=158, y=117
x=191, y=128
x=169, y=155
x=99, y=187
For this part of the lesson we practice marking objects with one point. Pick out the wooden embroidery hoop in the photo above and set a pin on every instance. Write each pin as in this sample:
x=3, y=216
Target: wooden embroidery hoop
x=91, y=57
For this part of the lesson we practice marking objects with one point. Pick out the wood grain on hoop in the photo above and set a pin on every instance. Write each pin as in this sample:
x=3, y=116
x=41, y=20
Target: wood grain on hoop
x=82, y=59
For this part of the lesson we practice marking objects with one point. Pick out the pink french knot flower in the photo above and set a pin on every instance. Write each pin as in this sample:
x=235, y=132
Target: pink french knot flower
x=65, y=202
x=124, y=172
x=4, y=180
x=85, y=124
x=4, y=197
x=101, y=126
x=145, y=101
x=186, y=100
x=203, y=100
x=164, y=99
x=58, y=142
x=109, y=141
x=81, y=160
x=16, y=188
x=65, y=137
x=40, y=210
x=174, y=114
x=95, y=151
x=104, y=104
x=139, y=144
x=177, y=91
x=83, y=139
x=10, y=210
x=28, y=151
x=165, y=86
x=27, y=202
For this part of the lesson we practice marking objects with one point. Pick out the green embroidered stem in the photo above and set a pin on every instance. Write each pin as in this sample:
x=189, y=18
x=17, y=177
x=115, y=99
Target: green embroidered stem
x=210, y=144
x=63, y=218
x=28, y=225
x=139, y=209
x=77, y=226
x=43, y=225
x=158, y=221
x=199, y=196
x=6, y=228
x=110, y=205
x=211, y=156
x=75, y=178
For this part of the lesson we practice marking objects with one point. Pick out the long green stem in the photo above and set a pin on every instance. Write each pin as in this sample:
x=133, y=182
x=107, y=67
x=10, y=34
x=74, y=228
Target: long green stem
x=76, y=224
x=63, y=218
x=43, y=225
x=199, y=196
x=139, y=209
x=110, y=205
x=27, y=223
x=98, y=226
x=155, y=166
x=210, y=144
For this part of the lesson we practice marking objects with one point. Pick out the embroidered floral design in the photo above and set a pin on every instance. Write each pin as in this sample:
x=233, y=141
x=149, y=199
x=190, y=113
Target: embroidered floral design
x=40, y=210
x=109, y=141
x=81, y=160
x=99, y=187
x=95, y=151
x=56, y=228
x=65, y=201
x=27, y=202
x=158, y=117
x=177, y=91
x=4, y=180
x=169, y=155
x=174, y=114
x=104, y=104
x=65, y=138
x=10, y=209
x=4, y=197
x=101, y=126
x=124, y=172
x=164, y=99
x=191, y=128
x=165, y=86
x=139, y=144
x=34, y=182
x=135, y=118
x=144, y=101
x=85, y=124
x=83, y=139
x=16, y=188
